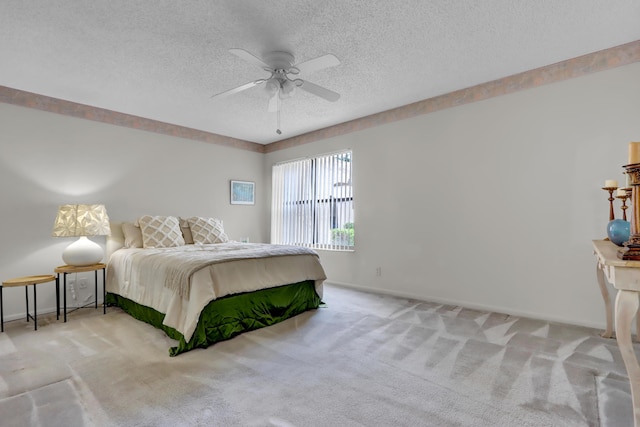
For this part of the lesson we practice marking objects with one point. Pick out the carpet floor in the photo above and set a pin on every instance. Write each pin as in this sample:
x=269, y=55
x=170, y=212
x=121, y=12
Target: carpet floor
x=361, y=360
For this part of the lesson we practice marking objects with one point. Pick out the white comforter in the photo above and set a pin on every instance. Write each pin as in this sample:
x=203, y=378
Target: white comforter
x=225, y=269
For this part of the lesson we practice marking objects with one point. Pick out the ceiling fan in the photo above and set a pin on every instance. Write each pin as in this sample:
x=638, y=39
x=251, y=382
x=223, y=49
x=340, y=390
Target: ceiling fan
x=284, y=77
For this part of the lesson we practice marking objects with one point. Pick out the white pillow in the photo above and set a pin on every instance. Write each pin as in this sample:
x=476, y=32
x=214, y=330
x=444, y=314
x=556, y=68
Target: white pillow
x=207, y=230
x=160, y=231
x=132, y=235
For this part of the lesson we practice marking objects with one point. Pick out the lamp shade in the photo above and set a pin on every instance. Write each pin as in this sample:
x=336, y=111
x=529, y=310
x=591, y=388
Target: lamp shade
x=82, y=221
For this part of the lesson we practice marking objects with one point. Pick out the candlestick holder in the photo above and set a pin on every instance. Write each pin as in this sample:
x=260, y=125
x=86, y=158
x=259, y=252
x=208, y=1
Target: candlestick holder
x=632, y=249
x=624, y=206
x=611, y=199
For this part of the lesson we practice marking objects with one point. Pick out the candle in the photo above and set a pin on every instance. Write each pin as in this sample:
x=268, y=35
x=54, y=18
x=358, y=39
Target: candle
x=634, y=152
x=622, y=192
x=611, y=183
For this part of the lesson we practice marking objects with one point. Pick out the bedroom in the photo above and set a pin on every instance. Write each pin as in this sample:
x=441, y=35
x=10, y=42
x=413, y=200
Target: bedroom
x=509, y=191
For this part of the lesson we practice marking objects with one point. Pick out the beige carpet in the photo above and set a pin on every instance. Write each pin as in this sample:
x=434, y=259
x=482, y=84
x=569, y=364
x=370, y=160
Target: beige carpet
x=363, y=360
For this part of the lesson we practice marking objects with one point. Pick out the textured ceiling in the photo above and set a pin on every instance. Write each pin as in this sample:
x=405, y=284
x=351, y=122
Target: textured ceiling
x=164, y=59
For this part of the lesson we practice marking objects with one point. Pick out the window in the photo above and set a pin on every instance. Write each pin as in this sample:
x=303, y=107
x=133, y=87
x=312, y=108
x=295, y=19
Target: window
x=312, y=202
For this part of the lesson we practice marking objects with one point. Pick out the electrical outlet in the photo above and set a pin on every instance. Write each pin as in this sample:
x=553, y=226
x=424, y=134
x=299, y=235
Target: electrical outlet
x=379, y=271
x=71, y=286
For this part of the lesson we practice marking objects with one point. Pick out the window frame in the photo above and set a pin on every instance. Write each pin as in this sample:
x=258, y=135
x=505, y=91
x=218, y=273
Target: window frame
x=312, y=196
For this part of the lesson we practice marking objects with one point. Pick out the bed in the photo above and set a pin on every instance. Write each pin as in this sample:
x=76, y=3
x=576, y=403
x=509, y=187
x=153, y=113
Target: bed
x=185, y=277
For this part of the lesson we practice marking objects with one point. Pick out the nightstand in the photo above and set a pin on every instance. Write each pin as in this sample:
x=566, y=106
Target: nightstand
x=26, y=281
x=68, y=269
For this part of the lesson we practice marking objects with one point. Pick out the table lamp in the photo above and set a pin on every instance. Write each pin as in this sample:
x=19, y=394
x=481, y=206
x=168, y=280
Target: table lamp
x=82, y=221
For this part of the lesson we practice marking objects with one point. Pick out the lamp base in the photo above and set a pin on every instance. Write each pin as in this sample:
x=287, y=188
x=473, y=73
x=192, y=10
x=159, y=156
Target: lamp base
x=82, y=252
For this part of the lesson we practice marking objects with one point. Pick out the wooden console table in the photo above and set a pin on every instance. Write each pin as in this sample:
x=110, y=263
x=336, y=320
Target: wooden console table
x=625, y=277
x=609, y=332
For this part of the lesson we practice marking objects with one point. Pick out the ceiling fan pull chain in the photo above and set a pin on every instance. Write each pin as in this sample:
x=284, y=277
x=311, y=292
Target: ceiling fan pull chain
x=278, y=131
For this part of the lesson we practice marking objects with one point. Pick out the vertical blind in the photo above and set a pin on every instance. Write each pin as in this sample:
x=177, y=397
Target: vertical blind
x=312, y=202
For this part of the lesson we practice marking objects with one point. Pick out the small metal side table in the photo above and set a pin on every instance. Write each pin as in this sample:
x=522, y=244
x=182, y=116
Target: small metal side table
x=68, y=269
x=26, y=281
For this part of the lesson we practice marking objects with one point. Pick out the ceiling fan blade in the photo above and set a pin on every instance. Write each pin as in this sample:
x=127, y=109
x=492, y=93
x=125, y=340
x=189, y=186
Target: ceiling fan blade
x=320, y=91
x=238, y=89
x=249, y=57
x=317, y=64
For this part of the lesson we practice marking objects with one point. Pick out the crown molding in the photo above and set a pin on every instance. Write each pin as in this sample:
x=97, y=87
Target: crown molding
x=67, y=108
x=576, y=67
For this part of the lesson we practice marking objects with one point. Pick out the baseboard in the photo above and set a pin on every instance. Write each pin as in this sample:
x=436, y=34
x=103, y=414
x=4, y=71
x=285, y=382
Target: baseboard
x=48, y=310
x=468, y=304
x=41, y=312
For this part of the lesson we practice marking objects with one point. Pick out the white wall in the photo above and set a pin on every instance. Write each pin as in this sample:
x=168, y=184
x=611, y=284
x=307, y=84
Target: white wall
x=48, y=159
x=492, y=204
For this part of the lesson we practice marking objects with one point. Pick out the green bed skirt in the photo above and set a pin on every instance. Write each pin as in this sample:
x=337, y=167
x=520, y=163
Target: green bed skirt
x=226, y=317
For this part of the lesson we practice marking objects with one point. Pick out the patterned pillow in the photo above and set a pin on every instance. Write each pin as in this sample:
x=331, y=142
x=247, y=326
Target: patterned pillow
x=207, y=230
x=132, y=235
x=186, y=231
x=160, y=231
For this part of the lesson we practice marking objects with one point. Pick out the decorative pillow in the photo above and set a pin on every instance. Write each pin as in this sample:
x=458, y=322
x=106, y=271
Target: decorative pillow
x=207, y=230
x=132, y=235
x=160, y=231
x=186, y=231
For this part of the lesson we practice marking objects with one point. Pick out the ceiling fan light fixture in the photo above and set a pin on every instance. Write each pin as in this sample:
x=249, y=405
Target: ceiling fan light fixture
x=272, y=86
x=288, y=87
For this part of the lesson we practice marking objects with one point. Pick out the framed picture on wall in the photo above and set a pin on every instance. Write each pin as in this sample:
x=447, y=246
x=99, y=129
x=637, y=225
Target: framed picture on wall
x=243, y=192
